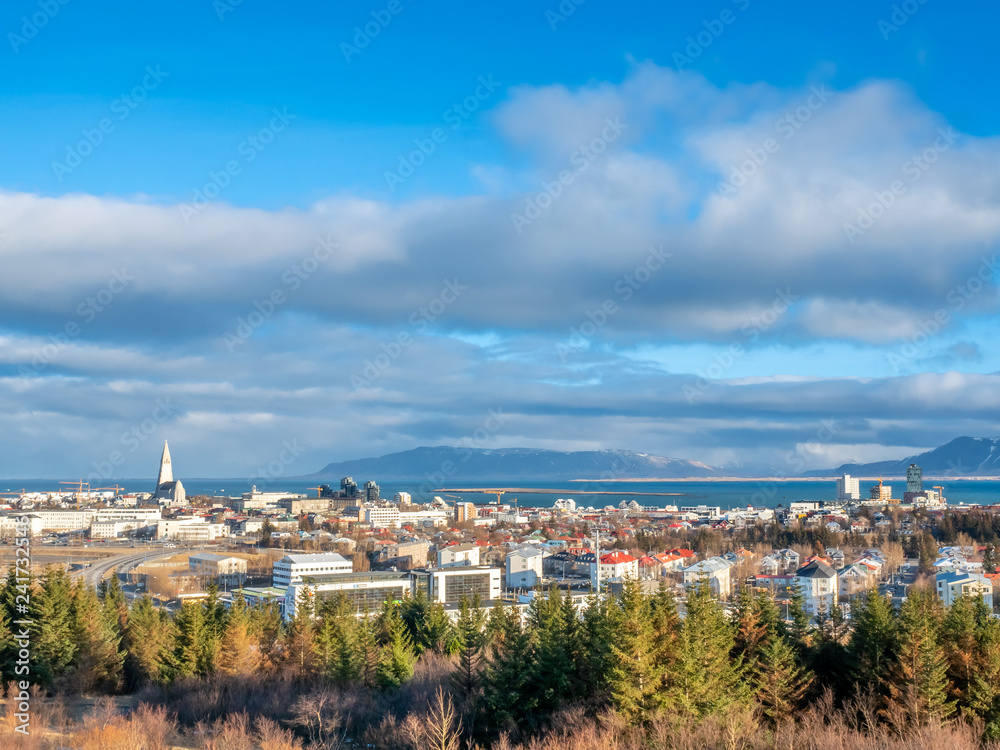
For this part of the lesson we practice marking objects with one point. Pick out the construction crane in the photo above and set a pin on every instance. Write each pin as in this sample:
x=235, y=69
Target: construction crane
x=80, y=485
x=498, y=493
x=117, y=488
x=319, y=490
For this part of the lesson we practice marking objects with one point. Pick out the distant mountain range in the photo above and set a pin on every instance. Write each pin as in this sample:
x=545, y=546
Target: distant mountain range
x=962, y=457
x=514, y=463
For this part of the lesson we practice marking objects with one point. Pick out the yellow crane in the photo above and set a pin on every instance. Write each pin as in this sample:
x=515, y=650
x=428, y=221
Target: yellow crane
x=319, y=490
x=498, y=493
x=80, y=485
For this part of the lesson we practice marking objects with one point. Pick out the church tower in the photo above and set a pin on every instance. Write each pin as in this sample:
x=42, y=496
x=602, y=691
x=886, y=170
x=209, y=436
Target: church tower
x=166, y=470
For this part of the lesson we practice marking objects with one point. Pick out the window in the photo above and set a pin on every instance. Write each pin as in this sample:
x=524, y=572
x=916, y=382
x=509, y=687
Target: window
x=467, y=585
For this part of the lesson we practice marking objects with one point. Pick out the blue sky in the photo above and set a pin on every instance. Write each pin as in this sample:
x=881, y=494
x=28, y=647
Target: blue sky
x=748, y=142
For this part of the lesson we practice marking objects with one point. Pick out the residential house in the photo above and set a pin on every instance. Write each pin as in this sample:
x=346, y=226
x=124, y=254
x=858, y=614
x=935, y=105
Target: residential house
x=953, y=586
x=458, y=555
x=715, y=570
x=614, y=565
x=524, y=568
x=818, y=583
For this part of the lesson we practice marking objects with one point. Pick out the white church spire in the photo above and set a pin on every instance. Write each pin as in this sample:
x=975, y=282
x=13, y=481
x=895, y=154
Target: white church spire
x=166, y=470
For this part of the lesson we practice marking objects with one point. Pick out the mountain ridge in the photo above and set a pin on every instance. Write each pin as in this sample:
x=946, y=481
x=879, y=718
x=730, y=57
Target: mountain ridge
x=459, y=463
x=963, y=456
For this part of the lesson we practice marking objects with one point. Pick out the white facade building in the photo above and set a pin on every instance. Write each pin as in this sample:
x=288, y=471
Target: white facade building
x=458, y=555
x=848, y=488
x=292, y=568
x=818, y=583
x=524, y=568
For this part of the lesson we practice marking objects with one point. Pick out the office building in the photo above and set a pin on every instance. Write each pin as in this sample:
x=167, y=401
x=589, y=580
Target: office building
x=848, y=488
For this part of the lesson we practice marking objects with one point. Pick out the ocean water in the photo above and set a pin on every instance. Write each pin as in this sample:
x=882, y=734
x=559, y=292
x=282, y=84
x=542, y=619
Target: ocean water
x=726, y=494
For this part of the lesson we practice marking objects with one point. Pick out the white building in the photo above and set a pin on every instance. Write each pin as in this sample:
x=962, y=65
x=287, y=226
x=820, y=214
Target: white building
x=292, y=568
x=818, y=583
x=382, y=516
x=952, y=586
x=214, y=566
x=458, y=555
x=524, y=568
x=450, y=585
x=848, y=488
x=194, y=529
x=715, y=570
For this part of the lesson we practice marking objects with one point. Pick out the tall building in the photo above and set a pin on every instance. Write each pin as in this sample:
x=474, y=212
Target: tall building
x=465, y=512
x=348, y=487
x=914, y=479
x=848, y=488
x=168, y=491
x=371, y=492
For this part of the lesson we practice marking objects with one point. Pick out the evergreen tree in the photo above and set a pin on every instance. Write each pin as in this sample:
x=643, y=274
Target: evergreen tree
x=919, y=688
x=8, y=649
x=395, y=665
x=300, y=638
x=189, y=643
x=237, y=655
x=149, y=637
x=780, y=681
x=634, y=677
x=553, y=666
x=98, y=660
x=959, y=636
x=368, y=652
x=873, y=644
x=801, y=631
x=53, y=641
x=507, y=700
x=705, y=679
x=665, y=624
x=471, y=637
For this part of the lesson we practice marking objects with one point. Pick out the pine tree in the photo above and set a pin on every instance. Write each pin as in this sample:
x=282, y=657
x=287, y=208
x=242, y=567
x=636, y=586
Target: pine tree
x=149, y=639
x=237, y=655
x=959, y=636
x=705, y=679
x=751, y=631
x=634, y=677
x=8, y=649
x=189, y=642
x=471, y=637
x=336, y=640
x=300, y=638
x=98, y=660
x=919, y=687
x=53, y=640
x=368, y=652
x=665, y=624
x=507, y=700
x=801, y=631
x=553, y=665
x=597, y=634
x=214, y=619
x=395, y=665
x=873, y=644
x=781, y=683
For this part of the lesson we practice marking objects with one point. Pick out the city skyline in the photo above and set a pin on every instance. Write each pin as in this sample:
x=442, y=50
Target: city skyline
x=584, y=229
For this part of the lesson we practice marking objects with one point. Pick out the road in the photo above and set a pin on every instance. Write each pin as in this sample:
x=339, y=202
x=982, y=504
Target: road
x=97, y=571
